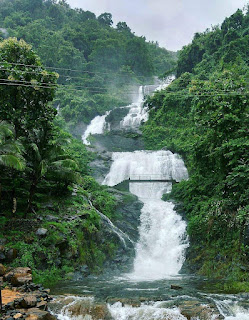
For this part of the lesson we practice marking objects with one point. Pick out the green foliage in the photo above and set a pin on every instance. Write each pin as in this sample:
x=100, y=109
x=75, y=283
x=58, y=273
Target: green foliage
x=203, y=115
x=106, y=61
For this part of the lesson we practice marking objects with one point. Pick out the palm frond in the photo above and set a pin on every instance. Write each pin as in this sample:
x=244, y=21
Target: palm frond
x=12, y=161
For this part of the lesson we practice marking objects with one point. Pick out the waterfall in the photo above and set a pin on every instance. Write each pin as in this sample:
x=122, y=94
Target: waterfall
x=150, y=163
x=138, y=113
x=162, y=240
x=97, y=126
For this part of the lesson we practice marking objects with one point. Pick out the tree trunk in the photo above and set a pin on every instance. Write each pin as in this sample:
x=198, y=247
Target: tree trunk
x=14, y=202
x=31, y=197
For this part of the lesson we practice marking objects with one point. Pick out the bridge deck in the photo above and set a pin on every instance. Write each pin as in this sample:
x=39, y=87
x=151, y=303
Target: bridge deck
x=150, y=178
x=171, y=181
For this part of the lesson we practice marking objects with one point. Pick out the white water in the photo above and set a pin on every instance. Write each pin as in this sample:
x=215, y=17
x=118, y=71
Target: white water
x=150, y=163
x=97, y=126
x=229, y=306
x=162, y=241
x=144, y=312
x=138, y=113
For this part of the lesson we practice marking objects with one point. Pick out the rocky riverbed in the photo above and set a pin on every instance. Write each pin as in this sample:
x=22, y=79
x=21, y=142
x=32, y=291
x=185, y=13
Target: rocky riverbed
x=21, y=298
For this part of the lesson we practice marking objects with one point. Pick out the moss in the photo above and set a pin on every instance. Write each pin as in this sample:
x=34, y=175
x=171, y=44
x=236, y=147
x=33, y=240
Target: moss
x=75, y=237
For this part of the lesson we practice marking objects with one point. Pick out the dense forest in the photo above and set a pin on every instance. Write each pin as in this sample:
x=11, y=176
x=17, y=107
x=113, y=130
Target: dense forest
x=81, y=65
x=53, y=57
x=203, y=115
x=98, y=64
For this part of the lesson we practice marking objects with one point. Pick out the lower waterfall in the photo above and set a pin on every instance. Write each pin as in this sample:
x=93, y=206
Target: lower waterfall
x=162, y=243
x=162, y=233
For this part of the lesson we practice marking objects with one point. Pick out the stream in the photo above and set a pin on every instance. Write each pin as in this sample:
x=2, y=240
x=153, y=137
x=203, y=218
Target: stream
x=155, y=288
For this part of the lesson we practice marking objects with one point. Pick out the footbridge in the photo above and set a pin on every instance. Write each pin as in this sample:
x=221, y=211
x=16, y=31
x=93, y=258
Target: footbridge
x=150, y=178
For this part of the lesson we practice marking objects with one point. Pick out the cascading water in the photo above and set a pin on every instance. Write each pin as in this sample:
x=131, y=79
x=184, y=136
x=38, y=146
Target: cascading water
x=160, y=250
x=97, y=126
x=137, y=114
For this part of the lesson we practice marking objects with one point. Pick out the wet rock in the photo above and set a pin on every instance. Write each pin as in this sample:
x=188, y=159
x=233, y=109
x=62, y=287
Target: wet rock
x=41, y=232
x=84, y=270
x=175, y=287
x=126, y=301
x=84, y=309
x=197, y=310
x=37, y=314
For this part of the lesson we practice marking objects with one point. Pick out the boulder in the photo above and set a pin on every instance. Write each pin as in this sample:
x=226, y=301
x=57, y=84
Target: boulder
x=175, y=287
x=197, y=310
x=11, y=254
x=19, y=276
x=37, y=314
x=18, y=315
x=41, y=232
x=2, y=270
x=42, y=305
x=28, y=302
x=2, y=253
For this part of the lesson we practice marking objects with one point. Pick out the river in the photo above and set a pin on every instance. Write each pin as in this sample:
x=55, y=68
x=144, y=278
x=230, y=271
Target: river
x=155, y=288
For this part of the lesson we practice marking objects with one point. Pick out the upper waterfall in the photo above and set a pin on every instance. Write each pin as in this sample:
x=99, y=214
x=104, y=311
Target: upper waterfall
x=97, y=126
x=164, y=163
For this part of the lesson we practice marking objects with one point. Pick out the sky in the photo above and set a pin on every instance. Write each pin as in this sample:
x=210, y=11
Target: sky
x=170, y=22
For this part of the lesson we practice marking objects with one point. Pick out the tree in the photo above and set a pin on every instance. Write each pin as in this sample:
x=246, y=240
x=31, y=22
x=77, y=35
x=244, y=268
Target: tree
x=10, y=153
x=47, y=152
x=123, y=27
x=25, y=89
x=10, y=149
x=105, y=19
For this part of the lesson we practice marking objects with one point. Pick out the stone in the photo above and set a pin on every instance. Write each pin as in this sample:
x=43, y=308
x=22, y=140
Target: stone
x=11, y=254
x=52, y=218
x=42, y=305
x=2, y=270
x=175, y=287
x=28, y=302
x=197, y=310
x=18, y=315
x=37, y=314
x=41, y=232
x=2, y=255
x=19, y=276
